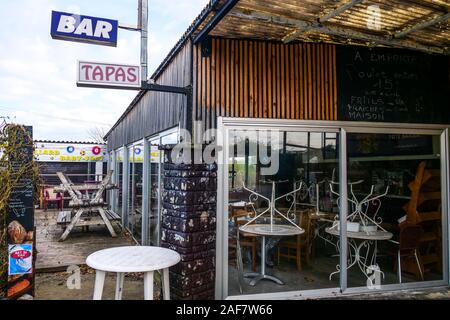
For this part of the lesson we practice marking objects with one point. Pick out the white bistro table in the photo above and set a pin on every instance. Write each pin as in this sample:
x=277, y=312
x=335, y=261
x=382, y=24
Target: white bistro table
x=267, y=230
x=368, y=238
x=121, y=260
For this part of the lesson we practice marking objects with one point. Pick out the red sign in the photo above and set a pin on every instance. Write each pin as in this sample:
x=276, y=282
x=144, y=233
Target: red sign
x=21, y=254
x=106, y=75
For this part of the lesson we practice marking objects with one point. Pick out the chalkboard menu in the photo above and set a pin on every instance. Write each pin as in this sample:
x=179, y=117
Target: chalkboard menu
x=20, y=205
x=388, y=85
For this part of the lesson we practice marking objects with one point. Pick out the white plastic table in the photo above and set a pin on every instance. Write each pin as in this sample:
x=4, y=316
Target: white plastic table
x=264, y=230
x=120, y=260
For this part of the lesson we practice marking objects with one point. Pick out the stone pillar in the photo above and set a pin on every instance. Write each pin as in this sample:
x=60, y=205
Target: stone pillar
x=188, y=226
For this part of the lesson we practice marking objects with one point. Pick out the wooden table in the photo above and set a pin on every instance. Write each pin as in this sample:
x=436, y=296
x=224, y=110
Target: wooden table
x=85, y=203
x=132, y=259
x=267, y=230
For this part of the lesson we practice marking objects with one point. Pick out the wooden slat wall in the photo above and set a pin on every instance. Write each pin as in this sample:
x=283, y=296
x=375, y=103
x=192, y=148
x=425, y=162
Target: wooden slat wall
x=156, y=111
x=244, y=78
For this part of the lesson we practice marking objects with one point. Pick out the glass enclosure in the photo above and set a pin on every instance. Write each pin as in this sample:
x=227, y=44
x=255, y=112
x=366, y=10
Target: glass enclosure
x=395, y=213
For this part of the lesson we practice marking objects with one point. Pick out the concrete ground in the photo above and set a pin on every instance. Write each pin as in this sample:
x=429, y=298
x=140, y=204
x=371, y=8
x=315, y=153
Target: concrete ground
x=54, y=286
x=62, y=286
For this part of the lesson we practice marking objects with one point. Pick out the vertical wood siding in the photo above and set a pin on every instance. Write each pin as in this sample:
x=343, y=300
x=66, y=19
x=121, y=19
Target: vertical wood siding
x=256, y=79
x=157, y=111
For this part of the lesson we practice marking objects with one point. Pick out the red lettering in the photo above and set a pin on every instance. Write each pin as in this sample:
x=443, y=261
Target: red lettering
x=109, y=72
x=86, y=68
x=120, y=73
x=98, y=72
x=131, y=75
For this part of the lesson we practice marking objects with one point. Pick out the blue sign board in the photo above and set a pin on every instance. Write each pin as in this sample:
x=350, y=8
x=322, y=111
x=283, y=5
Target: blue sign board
x=74, y=27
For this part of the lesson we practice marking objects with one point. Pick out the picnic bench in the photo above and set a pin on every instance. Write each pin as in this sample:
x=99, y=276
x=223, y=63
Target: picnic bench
x=87, y=207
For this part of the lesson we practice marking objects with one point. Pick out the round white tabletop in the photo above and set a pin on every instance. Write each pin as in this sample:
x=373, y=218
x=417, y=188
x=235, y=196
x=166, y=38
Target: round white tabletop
x=274, y=230
x=133, y=259
x=369, y=235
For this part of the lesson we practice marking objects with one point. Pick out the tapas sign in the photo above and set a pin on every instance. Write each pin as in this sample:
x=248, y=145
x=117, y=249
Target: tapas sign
x=108, y=75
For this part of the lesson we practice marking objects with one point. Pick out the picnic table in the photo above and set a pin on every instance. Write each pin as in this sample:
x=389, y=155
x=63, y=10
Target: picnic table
x=86, y=204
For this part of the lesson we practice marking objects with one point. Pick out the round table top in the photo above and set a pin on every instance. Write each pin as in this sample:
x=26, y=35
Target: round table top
x=369, y=235
x=133, y=259
x=274, y=230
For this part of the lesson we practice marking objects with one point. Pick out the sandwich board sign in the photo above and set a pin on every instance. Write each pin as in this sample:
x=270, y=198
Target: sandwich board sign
x=79, y=28
x=108, y=75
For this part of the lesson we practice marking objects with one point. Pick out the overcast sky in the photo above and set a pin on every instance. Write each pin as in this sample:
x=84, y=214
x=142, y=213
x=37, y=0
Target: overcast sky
x=38, y=74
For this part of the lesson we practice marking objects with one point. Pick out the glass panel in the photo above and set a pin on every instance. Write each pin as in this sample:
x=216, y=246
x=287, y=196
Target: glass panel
x=119, y=170
x=154, y=192
x=299, y=189
x=395, y=208
x=135, y=191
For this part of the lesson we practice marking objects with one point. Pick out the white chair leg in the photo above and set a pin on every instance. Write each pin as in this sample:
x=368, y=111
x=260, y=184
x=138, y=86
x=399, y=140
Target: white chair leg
x=119, y=285
x=399, y=267
x=148, y=285
x=99, y=282
x=166, y=284
x=418, y=264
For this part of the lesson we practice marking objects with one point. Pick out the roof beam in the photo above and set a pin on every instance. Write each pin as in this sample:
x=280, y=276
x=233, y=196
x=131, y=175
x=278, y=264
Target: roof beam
x=422, y=25
x=293, y=35
x=335, y=31
x=339, y=10
x=223, y=11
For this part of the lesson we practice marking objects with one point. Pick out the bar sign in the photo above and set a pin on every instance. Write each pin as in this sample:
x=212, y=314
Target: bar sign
x=73, y=27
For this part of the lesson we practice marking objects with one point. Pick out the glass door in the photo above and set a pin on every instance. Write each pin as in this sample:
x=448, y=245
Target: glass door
x=396, y=208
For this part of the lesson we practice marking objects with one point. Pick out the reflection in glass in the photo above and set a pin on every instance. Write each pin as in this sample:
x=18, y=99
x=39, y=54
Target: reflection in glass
x=308, y=162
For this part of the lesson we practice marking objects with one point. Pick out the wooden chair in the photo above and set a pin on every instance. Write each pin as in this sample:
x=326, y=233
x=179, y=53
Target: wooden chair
x=301, y=244
x=246, y=240
x=409, y=247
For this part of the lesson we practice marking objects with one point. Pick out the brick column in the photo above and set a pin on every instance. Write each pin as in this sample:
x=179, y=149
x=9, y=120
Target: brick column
x=188, y=226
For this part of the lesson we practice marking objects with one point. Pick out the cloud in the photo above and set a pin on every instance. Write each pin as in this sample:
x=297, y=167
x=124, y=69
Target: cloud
x=38, y=74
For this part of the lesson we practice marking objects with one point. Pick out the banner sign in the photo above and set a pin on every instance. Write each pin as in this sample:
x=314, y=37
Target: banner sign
x=73, y=27
x=107, y=75
x=70, y=152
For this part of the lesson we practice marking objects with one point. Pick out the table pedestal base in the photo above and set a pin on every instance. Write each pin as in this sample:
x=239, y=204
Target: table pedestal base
x=258, y=277
x=262, y=276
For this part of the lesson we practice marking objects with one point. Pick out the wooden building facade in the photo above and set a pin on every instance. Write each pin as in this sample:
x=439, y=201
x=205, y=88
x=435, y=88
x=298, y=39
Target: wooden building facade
x=344, y=80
